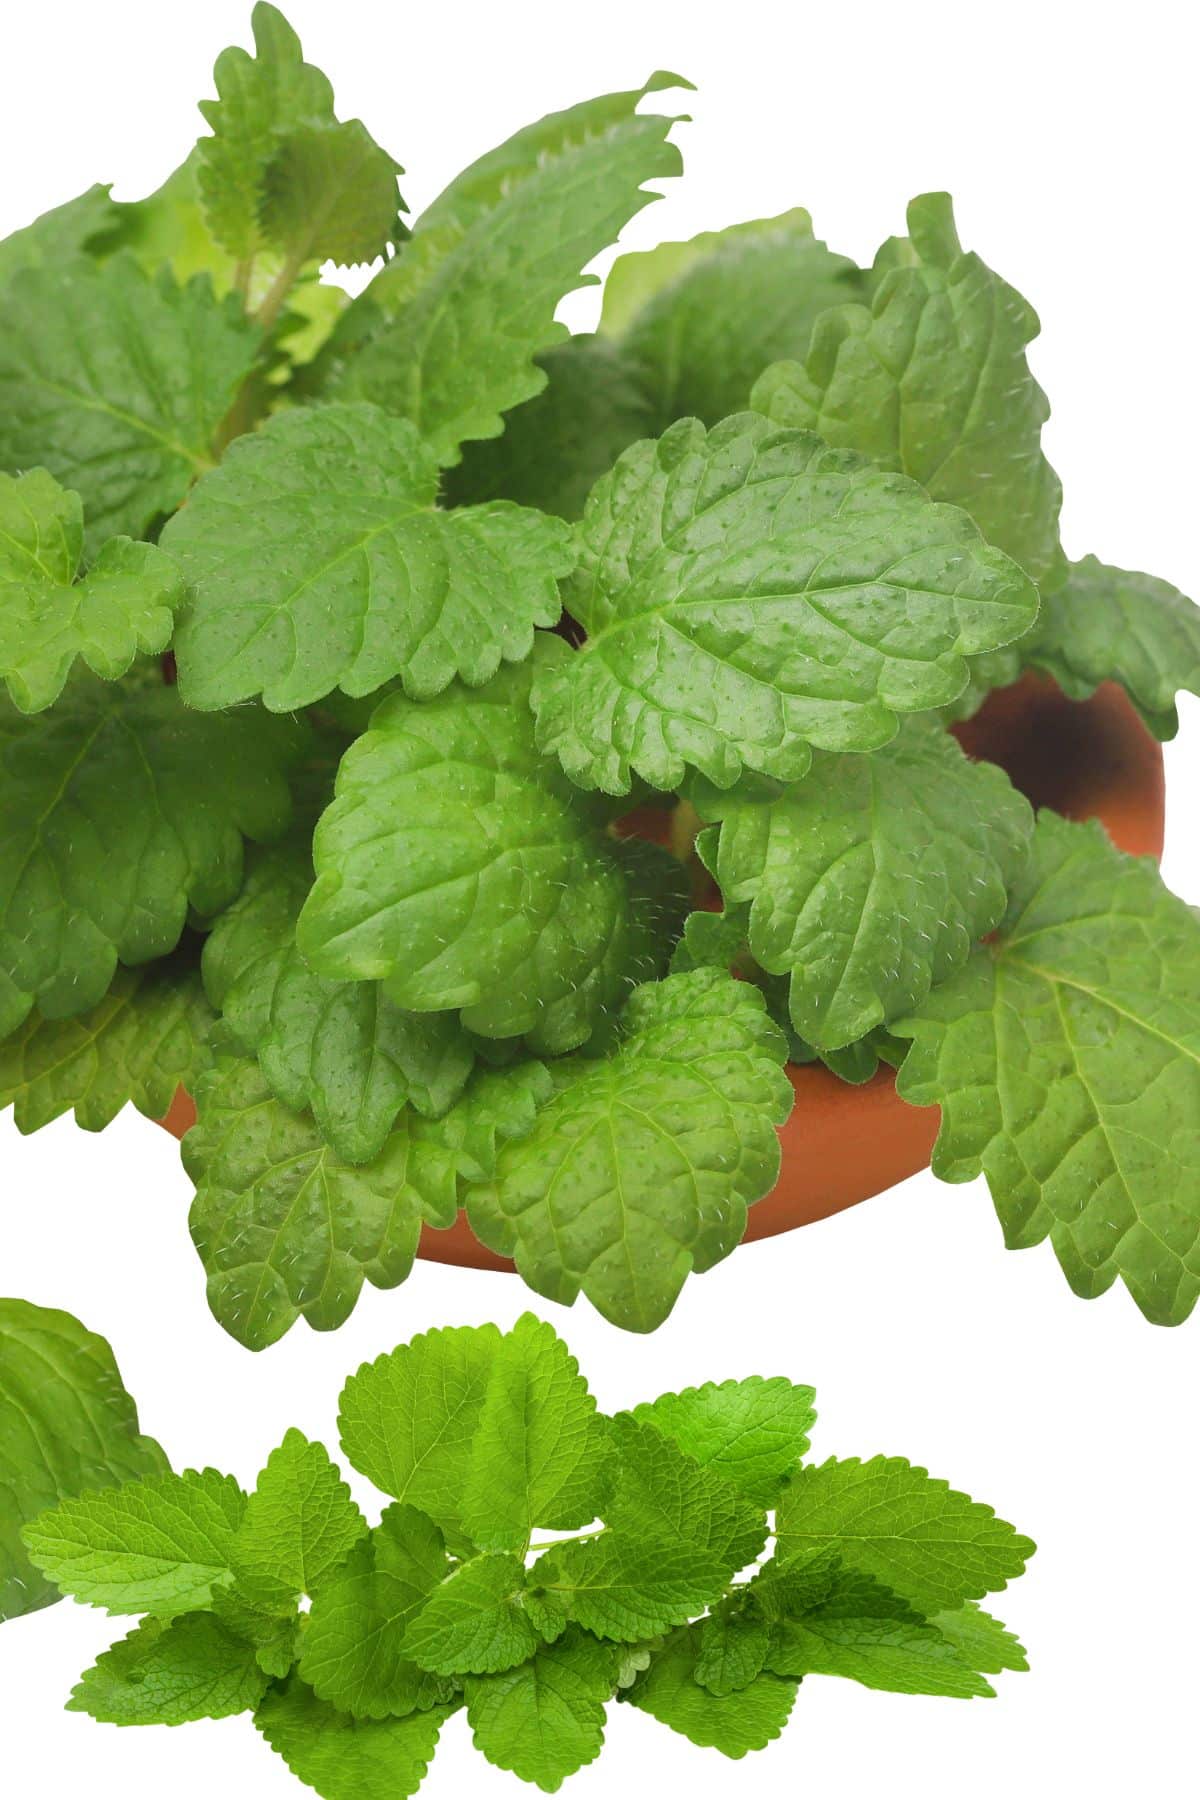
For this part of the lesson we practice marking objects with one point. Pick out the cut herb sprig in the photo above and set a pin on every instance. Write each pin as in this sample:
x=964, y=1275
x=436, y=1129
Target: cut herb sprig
x=701, y=1569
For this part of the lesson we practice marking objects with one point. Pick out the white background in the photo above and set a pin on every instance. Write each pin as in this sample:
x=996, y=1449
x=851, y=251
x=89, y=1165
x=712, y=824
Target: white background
x=1067, y=136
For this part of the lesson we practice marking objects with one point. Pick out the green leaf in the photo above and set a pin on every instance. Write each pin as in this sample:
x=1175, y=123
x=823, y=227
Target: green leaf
x=753, y=1432
x=748, y=593
x=273, y=1636
x=981, y=1641
x=872, y=878
x=447, y=333
x=318, y=559
x=331, y=195
x=677, y=1534
x=703, y=319
x=732, y=1723
x=352, y=1653
x=474, y=1622
x=300, y=1524
x=720, y=941
x=461, y=867
x=145, y=1038
x=169, y=226
x=623, y=1587
x=732, y=1649
x=643, y=1165
x=341, y=1049
x=917, y=1535
x=67, y=1426
x=283, y=1225
x=124, y=605
x=408, y=1420
x=159, y=1545
x=496, y=1106
x=1107, y=624
x=556, y=446
x=545, y=1719
x=172, y=1674
x=932, y=380
x=663, y=1494
x=120, y=811
x=116, y=383
x=1066, y=1060
x=540, y=1451
x=260, y=98
x=345, y=1758
x=63, y=232
x=865, y=1633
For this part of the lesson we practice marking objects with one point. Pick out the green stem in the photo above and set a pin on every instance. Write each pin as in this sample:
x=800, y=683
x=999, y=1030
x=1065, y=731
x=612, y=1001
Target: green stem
x=277, y=293
x=240, y=418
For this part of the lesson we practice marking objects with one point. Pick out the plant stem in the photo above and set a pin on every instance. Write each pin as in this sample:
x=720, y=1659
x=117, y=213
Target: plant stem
x=272, y=301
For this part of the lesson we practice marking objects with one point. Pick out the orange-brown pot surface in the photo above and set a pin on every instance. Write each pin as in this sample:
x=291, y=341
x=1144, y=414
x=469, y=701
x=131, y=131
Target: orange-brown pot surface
x=1089, y=759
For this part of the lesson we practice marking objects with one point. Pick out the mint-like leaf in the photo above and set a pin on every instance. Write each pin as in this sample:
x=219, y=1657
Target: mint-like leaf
x=748, y=593
x=474, y=1621
x=272, y=1635
x=340, y=1049
x=917, y=1535
x=734, y=1723
x=540, y=1450
x=319, y=559
x=598, y=1197
x=1106, y=624
x=260, y=98
x=121, y=810
x=408, y=1420
x=283, y=1225
x=63, y=232
x=864, y=1632
x=158, y=1546
x=703, y=319
x=731, y=1650
x=459, y=866
x=67, y=1426
x=124, y=605
x=982, y=1642
x=932, y=380
x=447, y=333
x=170, y=1674
x=556, y=446
x=752, y=1432
x=300, y=1524
x=872, y=878
x=623, y=1587
x=661, y=1493
x=116, y=383
x=345, y=1758
x=544, y=1719
x=147, y=1037
x=331, y=195
x=353, y=1652
x=1066, y=1059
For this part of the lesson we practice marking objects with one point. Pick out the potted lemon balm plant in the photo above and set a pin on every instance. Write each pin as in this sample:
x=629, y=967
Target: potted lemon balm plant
x=491, y=785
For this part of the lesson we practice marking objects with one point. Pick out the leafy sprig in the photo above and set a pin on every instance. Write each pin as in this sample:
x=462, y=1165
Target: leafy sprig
x=696, y=1568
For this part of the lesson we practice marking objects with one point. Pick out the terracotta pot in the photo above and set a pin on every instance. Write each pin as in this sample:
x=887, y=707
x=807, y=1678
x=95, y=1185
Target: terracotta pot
x=842, y=1144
